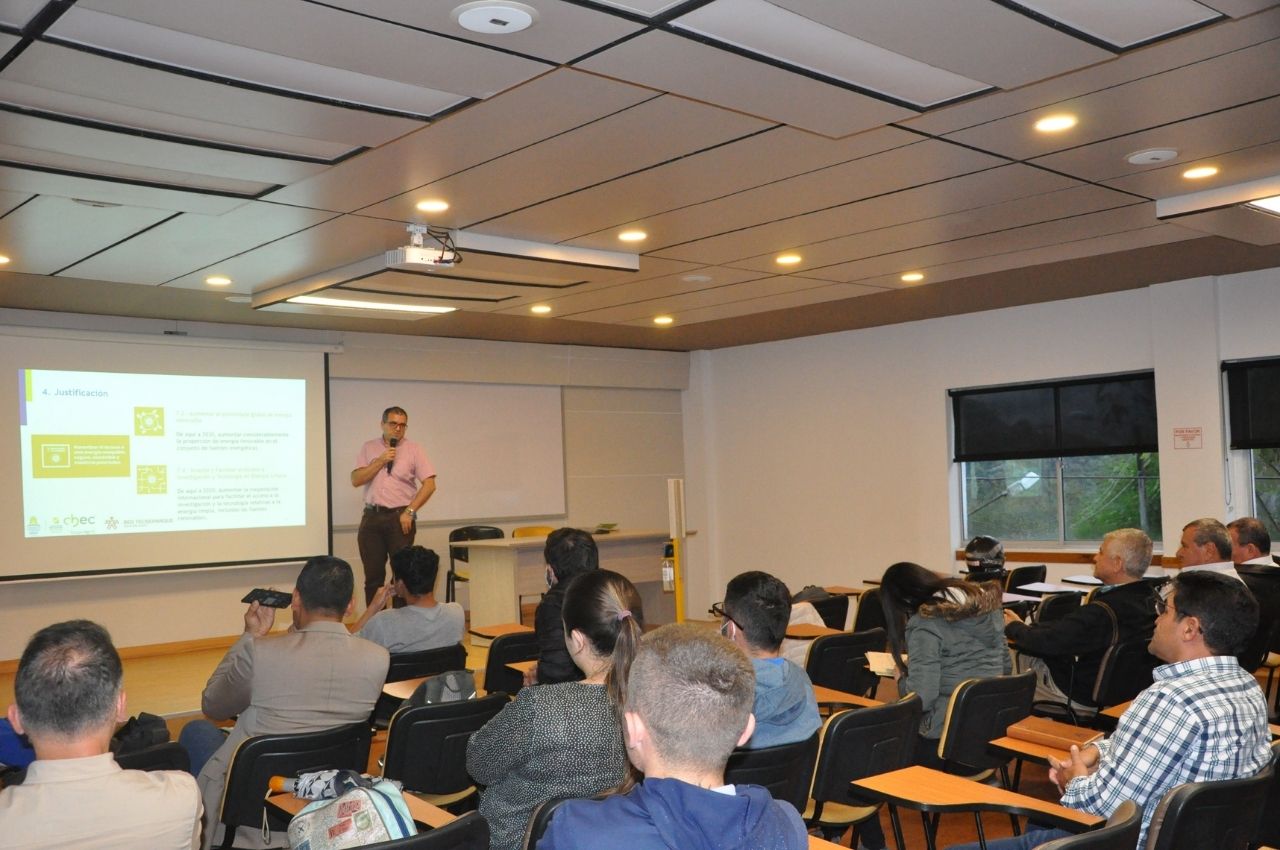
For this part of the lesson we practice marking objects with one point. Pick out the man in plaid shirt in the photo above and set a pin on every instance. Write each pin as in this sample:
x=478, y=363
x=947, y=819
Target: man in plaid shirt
x=1203, y=719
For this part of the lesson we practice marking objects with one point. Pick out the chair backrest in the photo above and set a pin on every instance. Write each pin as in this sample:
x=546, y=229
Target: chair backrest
x=469, y=832
x=863, y=742
x=1120, y=833
x=167, y=756
x=1269, y=826
x=786, y=770
x=539, y=820
x=506, y=649
x=427, y=744
x=840, y=661
x=870, y=614
x=833, y=610
x=259, y=758
x=1055, y=606
x=981, y=710
x=470, y=532
x=1124, y=672
x=532, y=531
x=411, y=665
x=1264, y=584
x=1019, y=576
x=1223, y=815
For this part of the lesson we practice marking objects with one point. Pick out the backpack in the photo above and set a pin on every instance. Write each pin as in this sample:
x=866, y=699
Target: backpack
x=360, y=816
x=453, y=686
x=138, y=733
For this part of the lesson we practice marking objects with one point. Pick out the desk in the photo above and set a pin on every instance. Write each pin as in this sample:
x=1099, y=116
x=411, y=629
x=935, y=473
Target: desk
x=830, y=696
x=931, y=790
x=523, y=667
x=502, y=571
x=809, y=631
x=423, y=813
x=841, y=590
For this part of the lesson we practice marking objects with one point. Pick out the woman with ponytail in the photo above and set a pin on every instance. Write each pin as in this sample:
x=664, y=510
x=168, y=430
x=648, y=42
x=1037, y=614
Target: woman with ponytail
x=563, y=740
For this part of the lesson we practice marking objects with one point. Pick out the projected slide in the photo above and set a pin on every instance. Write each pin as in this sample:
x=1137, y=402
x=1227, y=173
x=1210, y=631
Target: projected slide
x=116, y=453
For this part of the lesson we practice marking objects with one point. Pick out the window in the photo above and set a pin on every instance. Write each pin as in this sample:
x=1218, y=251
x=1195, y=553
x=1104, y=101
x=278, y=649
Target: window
x=1266, y=488
x=1253, y=391
x=1063, y=462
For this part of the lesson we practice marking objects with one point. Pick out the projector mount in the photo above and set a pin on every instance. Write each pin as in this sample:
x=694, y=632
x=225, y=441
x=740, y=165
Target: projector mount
x=430, y=246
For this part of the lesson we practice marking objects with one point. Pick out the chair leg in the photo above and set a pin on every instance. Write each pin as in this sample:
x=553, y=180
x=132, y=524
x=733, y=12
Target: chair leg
x=930, y=831
x=982, y=838
x=896, y=823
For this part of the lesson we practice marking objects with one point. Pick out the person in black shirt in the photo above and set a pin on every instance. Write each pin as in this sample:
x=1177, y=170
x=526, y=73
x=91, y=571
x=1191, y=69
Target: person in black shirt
x=569, y=552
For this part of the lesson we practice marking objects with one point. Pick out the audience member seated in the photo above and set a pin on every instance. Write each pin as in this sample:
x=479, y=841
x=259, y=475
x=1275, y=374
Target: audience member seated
x=422, y=623
x=1204, y=719
x=569, y=552
x=984, y=559
x=562, y=740
x=755, y=610
x=1122, y=609
x=1250, y=542
x=315, y=677
x=68, y=702
x=687, y=705
x=1206, y=546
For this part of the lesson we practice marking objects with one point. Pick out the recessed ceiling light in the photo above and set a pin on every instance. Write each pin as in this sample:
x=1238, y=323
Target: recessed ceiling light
x=495, y=17
x=787, y=259
x=662, y=320
x=3, y=260
x=540, y=309
x=1200, y=172
x=432, y=205
x=633, y=236
x=323, y=301
x=912, y=277
x=218, y=280
x=1056, y=123
x=1151, y=156
x=1271, y=205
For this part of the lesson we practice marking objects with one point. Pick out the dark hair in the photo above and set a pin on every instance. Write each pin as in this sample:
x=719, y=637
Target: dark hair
x=325, y=585
x=903, y=589
x=1250, y=530
x=417, y=567
x=391, y=410
x=606, y=608
x=68, y=679
x=984, y=555
x=1209, y=530
x=761, y=606
x=1225, y=607
x=570, y=552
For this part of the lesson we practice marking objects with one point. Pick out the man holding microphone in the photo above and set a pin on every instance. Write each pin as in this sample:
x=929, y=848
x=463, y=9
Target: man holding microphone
x=398, y=479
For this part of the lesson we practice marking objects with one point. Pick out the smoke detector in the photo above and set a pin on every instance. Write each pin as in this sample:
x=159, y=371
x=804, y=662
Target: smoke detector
x=495, y=17
x=1151, y=156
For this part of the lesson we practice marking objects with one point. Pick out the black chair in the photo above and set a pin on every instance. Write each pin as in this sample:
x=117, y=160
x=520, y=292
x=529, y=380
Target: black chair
x=1223, y=815
x=1120, y=833
x=541, y=817
x=1019, y=576
x=833, y=610
x=870, y=614
x=413, y=665
x=459, y=553
x=855, y=744
x=508, y=649
x=1126, y=671
x=1264, y=583
x=840, y=661
x=259, y=758
x=427, y=747
x=1269, y=827
x=168, y=756
x=786, y=770
x=1055, y=606
x=469, y=832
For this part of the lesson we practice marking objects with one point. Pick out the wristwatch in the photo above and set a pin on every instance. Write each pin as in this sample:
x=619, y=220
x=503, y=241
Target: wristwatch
x=411, y=512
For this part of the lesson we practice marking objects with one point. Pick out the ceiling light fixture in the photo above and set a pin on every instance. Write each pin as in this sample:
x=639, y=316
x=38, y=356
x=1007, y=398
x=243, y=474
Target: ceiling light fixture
x=788, y=259
x=440, y=253
x=4, y=260
x=325, y=301
x=1056, y=123
x=1151, y=156
x=433, y=205
x=218, y=280
x=662, y=320
x=495, y=17
x=912, y=277
x=1270, y=205
x=633, y=236
x=1200, y=172
x=540, y=309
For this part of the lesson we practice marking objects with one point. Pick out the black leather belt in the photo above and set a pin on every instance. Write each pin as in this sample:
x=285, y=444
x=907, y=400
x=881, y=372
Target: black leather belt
x=379, y=509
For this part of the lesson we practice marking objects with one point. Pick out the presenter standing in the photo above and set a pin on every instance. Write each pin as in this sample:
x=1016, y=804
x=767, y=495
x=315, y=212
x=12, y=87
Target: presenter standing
x=397, y=479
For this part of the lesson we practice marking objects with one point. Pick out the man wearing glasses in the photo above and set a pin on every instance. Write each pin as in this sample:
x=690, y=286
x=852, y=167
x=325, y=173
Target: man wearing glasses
x=755, y=611
x=398, y=479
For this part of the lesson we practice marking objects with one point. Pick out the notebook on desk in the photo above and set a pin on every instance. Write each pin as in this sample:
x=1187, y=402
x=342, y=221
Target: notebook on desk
x=1052, y=733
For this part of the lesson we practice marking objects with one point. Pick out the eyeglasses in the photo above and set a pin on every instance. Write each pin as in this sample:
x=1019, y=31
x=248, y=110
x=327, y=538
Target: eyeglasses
x=1162, y=601
x=398, y=425
x=717, y=610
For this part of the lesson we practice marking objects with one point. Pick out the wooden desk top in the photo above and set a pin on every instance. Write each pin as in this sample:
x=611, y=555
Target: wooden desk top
x=540, y=542
x=816, y=843
x=809, y=631
x=422, y=812
x=934, y=791
x=1027, y=751
x=523, y=667
x=830, y=696
x=499, y=630
x=841, y=590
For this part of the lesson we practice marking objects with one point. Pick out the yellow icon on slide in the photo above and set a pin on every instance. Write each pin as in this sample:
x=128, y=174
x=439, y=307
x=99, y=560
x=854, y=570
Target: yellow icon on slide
x=148, y=421
x=153, y=480
x=55, y=456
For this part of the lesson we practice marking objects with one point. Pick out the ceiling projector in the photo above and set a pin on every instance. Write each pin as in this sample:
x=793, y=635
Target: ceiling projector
x=414, y=256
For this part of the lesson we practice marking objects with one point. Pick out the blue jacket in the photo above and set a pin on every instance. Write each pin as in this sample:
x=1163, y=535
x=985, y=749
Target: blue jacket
x=667, y=814
x=785, y=708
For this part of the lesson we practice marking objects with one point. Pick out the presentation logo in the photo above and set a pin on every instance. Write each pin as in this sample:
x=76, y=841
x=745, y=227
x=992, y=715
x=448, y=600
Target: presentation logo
x=112, y=523
x=148, y=421
x=33, y=526
x=55, y=456
x=153, y=480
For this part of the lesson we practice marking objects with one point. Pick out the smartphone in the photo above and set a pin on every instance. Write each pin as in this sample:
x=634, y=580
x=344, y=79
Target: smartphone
x=269, y=598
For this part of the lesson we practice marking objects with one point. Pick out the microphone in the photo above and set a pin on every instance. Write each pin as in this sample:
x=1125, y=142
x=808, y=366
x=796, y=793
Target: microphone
x=393, y=442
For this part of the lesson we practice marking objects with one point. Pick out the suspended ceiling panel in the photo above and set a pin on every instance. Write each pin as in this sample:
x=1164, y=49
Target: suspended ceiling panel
x=56, y=232
x=582, y=299
x=1124, y=24
x=749, y=304
x=110, y=192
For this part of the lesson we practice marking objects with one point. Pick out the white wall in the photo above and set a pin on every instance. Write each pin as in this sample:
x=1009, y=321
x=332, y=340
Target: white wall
x=623, y=439
x=827, y=458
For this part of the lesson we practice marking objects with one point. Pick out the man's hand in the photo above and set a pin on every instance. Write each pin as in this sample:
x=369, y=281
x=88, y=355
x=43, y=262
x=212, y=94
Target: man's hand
x=1078, y=764
x=381, y=597
x=531, y=676
x=1010, y=617
x=259, y=619
x=406, y=522
x=388, y=455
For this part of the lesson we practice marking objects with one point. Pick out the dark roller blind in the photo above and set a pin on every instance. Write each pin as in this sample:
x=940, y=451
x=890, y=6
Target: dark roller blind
x=1112, y=415
x=1253, y=393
